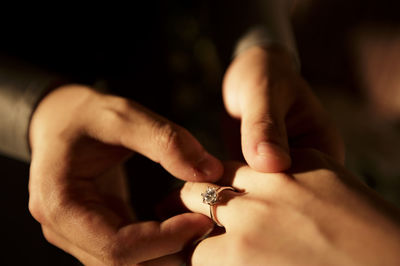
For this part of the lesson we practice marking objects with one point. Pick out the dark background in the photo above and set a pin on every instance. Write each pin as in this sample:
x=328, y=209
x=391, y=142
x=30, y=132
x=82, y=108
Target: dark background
x=171, y=58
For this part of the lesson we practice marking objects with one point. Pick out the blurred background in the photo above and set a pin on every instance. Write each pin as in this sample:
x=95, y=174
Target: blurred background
x=172, y=57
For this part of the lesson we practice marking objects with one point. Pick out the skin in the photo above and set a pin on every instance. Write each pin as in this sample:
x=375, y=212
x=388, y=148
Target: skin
x=80, y=139
x=314, y=214
x=277, y=110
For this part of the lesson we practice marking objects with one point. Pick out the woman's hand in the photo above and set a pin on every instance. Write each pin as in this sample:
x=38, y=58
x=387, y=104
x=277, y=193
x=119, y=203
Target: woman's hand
x=277, y=110
x=79, y=140
x=316, y=214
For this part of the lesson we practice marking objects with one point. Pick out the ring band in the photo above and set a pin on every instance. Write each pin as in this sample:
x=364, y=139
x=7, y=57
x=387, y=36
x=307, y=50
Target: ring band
x=211, y=197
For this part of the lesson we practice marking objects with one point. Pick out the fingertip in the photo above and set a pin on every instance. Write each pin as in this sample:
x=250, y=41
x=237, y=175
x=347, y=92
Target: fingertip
x=269, y=158
x=184, y=157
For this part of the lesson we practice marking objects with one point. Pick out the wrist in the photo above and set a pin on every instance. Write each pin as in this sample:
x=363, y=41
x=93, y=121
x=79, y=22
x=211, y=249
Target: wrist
x=57, y=111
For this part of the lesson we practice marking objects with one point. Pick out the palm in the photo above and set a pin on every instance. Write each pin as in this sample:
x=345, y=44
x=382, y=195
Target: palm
x=95, y=179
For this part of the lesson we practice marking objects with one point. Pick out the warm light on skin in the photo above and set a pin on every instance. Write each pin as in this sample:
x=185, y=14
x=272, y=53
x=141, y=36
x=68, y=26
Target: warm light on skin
x=316, y=214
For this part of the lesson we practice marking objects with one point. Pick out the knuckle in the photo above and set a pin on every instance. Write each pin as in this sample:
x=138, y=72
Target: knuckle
x=263, y=122
x=123, y=107
x=119, y=104
x=118, y=109
x=260, y=121
x=268, y=127
x=241, y=244
x=167, y=136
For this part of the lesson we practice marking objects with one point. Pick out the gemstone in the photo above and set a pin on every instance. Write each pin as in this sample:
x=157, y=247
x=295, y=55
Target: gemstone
x=210, y=196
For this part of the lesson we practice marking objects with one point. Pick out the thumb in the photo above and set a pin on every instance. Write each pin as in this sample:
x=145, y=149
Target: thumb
x=263, y=134
x=150, y=240
x=128, y=124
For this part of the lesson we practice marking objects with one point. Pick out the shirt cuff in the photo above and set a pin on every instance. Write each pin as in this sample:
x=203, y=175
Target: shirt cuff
x=261, y=36
x=21, y=89
x=274, y=28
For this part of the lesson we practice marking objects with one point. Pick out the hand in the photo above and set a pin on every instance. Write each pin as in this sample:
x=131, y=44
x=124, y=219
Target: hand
x=79, y=140
x=277, y=110
x=316, y=214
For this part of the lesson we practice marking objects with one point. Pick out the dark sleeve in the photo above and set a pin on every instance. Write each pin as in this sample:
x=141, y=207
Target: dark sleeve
x=22, y=86
x=257, y=22
x=273, y=29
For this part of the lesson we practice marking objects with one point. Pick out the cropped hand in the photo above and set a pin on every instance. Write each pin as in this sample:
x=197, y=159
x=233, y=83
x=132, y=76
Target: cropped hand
x=79, y=140
x=277, y=109
x=315, y=214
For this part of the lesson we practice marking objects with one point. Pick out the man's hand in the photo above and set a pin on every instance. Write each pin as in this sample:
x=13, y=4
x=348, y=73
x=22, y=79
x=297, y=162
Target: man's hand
x=277, y=110
x=315, y=214
x=79, y=140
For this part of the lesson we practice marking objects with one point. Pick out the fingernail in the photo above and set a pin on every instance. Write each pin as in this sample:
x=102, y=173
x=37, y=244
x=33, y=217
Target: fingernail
x=270, y=149
x=207, y=165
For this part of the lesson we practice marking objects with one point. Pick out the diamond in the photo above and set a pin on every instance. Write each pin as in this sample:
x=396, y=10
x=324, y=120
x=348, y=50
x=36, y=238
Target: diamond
x=210, y=196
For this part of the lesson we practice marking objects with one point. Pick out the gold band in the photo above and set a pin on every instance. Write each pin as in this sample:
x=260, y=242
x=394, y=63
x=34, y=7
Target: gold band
x=214, y=194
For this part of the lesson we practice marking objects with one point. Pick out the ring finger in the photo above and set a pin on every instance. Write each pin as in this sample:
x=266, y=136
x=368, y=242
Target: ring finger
x=228, y=202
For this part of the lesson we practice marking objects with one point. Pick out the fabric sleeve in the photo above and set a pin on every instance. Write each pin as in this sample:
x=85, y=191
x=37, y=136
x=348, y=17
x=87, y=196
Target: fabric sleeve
x=21, y=88
x=274, y=29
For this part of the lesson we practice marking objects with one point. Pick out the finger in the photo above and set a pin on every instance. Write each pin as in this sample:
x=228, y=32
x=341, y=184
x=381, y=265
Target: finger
x=254, y=183
x=101, y=234
x=225, y=210
x=87, y=259
x=264, y=139
x=151, y=240
x=136, y=128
